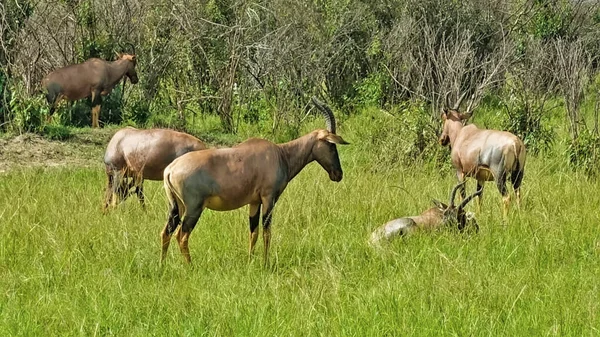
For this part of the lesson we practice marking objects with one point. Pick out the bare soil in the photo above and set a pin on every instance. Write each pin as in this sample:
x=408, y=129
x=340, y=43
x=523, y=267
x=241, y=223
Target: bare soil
x=83, y=149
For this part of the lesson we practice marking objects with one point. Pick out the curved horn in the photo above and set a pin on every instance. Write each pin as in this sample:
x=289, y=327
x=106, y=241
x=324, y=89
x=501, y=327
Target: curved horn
x=460, y=99
x=329, y=118
x=446, y=100
x=469, y=111
x=453, y=193
x=132, y=47
x=469, y=198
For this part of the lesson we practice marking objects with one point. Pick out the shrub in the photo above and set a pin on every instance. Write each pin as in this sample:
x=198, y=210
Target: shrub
x=584, y=153
x=56, y=132
x=404, y=137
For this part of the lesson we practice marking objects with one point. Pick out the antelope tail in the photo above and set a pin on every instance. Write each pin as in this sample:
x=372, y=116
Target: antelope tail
x=173, y=195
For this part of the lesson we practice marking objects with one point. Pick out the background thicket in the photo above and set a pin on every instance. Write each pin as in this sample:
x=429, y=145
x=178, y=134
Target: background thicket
x=254, y=64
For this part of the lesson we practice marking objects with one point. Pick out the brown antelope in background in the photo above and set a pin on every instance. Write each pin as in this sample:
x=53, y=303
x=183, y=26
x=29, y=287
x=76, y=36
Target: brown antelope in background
x=483, y=154
x=431, y=219
x=94, y=77
x=141, y=154
x=255, y=173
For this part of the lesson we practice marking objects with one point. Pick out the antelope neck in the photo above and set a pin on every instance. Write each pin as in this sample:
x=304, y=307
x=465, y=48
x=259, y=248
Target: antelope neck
x=298, y=154
x=117, y=70
x=455, y=128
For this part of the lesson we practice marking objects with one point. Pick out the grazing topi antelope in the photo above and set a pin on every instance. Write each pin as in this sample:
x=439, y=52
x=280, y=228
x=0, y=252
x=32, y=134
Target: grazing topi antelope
x=483, y=154
x=141, y=154
x=94, y=77
x=255, y=173
x=433, y=218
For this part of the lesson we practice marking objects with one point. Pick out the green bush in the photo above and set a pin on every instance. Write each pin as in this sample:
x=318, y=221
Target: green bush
x=403, y=137
x=529, y=125
x=56, y=132
x=26, y=112
x=584, y=153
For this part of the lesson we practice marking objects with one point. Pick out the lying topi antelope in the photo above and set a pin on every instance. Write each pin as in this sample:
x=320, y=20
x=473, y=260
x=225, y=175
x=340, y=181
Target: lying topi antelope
x=141, y=154
x=483, y=154
x=433, y=218
x=94, y=77
x=253, y=173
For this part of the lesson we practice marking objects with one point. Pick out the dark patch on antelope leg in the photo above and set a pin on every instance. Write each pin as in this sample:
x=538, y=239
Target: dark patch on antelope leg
x=516, y=177
x=139, y=190
x=189, y=222
x=462, y=189
x=109, y=188
x=254, y=220
x=480, y=196
x=501, y=183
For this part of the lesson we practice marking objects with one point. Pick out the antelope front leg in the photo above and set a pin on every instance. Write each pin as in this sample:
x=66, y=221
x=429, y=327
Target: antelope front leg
x=480, y=197
x=108, y=192
x=463, y=190
x=95, y=116
x=96, y=101
x=254, y=220
x=117, y=183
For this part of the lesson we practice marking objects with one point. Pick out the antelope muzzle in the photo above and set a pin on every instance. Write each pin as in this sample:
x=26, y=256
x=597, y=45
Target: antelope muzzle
x=444, y=140
x=336, y=175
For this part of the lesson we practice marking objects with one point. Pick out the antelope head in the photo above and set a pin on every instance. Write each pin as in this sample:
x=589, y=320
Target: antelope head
x=452, y=214
x=131, y=73
x=325, y=151
x=453, y=119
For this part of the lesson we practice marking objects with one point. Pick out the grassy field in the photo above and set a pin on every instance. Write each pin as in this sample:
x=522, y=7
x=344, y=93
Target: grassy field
x=66, y=269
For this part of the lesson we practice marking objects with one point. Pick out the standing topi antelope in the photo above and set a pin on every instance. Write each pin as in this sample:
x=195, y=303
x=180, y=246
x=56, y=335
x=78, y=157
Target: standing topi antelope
x=433, y=218
x=253, y=173
x=94, y=77
x=141, y=154
x=483, y=154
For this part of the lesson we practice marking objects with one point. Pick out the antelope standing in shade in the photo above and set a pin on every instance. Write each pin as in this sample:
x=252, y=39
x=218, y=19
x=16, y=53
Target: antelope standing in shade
x=483, y=154
x=431, y=219
x=253, y=173
x=141, y=154
x=93, y=78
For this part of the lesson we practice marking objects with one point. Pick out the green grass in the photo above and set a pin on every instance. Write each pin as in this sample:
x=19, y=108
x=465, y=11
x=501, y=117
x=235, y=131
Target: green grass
x=66, y=269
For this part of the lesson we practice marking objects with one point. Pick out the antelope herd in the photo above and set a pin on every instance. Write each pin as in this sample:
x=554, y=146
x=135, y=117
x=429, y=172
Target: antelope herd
x=257, y=171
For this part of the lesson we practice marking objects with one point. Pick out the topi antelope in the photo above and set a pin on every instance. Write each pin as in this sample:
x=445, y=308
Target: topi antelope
x=141, y=154
x=433, y=218
x=483, y=154
x=255, y=173
x=94, y=77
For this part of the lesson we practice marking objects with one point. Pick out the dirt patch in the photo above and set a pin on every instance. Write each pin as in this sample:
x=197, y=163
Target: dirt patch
x=85, y=149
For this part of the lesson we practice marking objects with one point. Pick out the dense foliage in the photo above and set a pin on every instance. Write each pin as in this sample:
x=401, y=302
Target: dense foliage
x=258, y=62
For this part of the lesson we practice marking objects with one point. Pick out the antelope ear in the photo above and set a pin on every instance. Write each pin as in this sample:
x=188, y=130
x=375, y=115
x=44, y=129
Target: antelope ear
x=465, y=115
x=133, y=57
x=444, y=114
x=333, y=138
x=439, y=204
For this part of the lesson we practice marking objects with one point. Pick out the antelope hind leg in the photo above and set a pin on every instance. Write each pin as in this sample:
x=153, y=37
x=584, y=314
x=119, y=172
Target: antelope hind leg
x=254, y=219
x=189, y=222
x=172, y=224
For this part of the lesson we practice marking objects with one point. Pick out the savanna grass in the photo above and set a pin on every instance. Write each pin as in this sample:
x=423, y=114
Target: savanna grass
x=66, y=269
